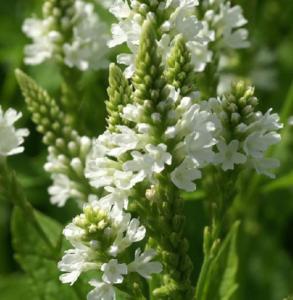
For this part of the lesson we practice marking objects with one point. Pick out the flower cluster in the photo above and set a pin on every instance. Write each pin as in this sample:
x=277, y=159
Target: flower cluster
x=177, y=18
x=11, y=138
x=64, y=170
x=100, y=236
x=227, y=22
x=191, y=129
x=161, y=134
x=244, y=135
x=70, y=32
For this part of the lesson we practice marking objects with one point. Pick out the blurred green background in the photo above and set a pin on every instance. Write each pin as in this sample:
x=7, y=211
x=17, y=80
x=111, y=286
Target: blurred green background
x=267, y=241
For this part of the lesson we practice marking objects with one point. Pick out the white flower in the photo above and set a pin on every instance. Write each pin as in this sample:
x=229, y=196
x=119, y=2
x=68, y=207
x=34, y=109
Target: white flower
x=182, y=3
x=125, y=180
x=88, y=47
x=197, y=35
x=102, y=291
x=10, y=138
x=74, y=262
x=121, y=9
x=84, y=48
x=236, y=39
x=133, y=112
x=195, y=119
x=257, y=143
x=61, y=190
x=123, y=141
x=184, y=175
x=227, y=24
x=73, y=233
x=160, y=157
x=113, y=271
x=200, y=55
x=130, y=231
x=135, y=232
x=143, y=265
x=198, y=146
x=265, y=123
x=151, y=162
x=228, y=155
x=116, y=197
x=141, y=163
x=44, y=37
x=265, y=165
x=100, y=171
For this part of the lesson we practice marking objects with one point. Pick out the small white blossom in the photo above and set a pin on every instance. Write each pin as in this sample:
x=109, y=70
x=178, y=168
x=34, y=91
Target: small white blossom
x=133, y=112
x=185, y=175
x=74, y=262
x=143, y=265
x=116, y=197
x=101, y=291
x=265, y=165
x=61, y=190
x=43, y=36
x=113, y=271
x=198, y=146
x=151, y=162
x=257, y=143
x=130, y=232
x=125, y=180
x=228, y=155
x=88, y=48
x=228, y=24
x=10, y=138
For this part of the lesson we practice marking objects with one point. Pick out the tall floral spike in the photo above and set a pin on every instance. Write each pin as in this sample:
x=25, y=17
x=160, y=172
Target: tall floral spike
x=119, y=93
x=100, y=236
x=70, y=32
x=171, y=18
x=11, y=139
x=147, y=79
x=138, y=158
x=67, y=150
x=244, y=134
x=180, y=71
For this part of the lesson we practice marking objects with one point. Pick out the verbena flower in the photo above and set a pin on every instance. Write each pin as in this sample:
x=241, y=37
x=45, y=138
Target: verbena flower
x=11, y=139
x=179, y=19
x=62, y=189
x=99, y=235
x=245, y=134
x=69, y=32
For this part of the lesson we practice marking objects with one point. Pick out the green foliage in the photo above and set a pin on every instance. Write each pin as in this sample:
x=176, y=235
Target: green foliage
x=218, y=277
x=267, y=211
x=40, y=261
x=14, y=287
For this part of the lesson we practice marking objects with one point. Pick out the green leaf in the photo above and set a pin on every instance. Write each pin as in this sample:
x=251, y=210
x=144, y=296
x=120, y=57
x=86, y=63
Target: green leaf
x=287, y=109
x=218, y=275
x=37, y=259
x=8, y=290
x=284, y=182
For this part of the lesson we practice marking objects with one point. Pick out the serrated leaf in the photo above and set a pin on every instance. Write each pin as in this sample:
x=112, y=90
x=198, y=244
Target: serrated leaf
x=37, y=259
x=218, y=281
